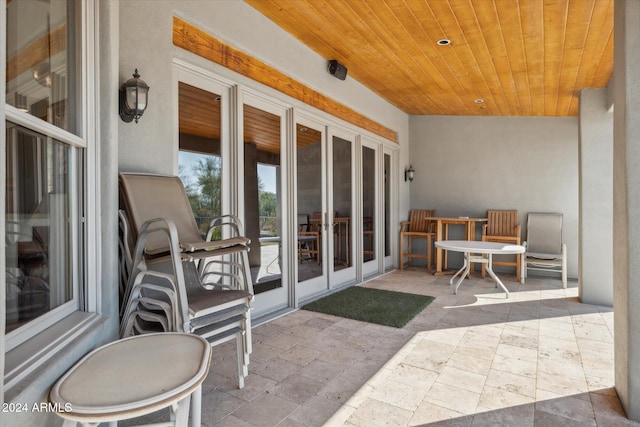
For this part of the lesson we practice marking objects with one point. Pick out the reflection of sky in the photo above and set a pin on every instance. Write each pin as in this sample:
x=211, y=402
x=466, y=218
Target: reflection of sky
x=267, y=174
x=186, y=161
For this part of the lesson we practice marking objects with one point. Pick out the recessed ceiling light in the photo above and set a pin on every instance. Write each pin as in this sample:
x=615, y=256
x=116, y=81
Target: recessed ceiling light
x=303, y=129
x=444, y=42
x=479, y=101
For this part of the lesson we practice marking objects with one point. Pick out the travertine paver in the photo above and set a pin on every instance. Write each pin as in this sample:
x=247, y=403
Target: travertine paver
x=539, y=358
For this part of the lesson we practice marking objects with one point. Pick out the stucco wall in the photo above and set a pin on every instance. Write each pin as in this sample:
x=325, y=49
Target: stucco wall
x=467, y=165
x=596, y=198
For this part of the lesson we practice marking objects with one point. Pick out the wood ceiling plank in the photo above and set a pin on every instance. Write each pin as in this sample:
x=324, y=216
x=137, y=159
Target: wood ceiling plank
x=476, y=59
x=532, y=21
x=363, y=21
x=578, y=20
x=397, y=22
x=491, y=90
x=449, y=63
x=598, y=44
x=492, y=31
x=457, y=22
x=317, y=17
x=555, y=20
x=511, y=24
x=605, y=68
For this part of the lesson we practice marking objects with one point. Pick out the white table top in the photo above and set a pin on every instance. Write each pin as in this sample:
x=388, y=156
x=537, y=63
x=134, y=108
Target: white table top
x=479, y=247
x=133, y=375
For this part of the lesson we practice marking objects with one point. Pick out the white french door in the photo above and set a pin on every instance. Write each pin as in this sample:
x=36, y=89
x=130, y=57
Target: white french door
x=370, y=208
x=325, y=207
x=262, y=183
x=311, y=205
x=340, y=219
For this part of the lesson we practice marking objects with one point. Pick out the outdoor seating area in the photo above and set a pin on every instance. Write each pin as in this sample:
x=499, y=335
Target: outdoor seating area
x=544, y=248
x=320, y=213
x=539, y=358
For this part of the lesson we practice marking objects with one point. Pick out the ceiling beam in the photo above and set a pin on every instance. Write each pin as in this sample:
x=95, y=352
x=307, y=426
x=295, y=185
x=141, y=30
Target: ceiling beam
x=195, y=40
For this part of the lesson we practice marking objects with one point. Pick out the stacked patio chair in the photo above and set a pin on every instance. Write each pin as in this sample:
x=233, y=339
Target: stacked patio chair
x=176, y=280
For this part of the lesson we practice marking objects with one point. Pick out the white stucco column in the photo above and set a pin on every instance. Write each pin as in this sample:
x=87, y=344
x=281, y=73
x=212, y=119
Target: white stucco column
x=595, y=154
x=626, y=205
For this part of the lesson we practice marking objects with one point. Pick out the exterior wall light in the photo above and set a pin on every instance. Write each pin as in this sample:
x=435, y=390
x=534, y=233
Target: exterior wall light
x=133, y=98
x=409, y=173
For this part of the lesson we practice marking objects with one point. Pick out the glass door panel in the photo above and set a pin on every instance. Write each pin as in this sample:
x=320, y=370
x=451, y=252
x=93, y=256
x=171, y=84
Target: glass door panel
x=368, y=204
x=262, y=183
x=262, y=197
x=389, y=195
x=309, y=201
x=310, y=207
x=387, y=205
x=199, y=152
x=341, y=209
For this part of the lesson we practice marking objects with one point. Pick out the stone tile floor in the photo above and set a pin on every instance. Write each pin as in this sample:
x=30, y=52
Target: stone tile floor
x=539, y=358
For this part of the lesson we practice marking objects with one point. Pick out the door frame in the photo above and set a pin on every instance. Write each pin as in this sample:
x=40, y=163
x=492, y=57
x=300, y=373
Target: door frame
x=280, y=297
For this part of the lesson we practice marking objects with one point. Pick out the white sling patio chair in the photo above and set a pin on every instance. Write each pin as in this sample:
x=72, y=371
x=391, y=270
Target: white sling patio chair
x=544, y=248
x=207, y=284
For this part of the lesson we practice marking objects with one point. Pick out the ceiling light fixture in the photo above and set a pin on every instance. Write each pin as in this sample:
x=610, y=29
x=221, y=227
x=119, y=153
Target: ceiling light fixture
x=479, y=101
x=444, y=42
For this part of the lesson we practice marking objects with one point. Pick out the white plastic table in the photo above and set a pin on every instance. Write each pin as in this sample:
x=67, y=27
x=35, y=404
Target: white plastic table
x=478, y=252
x=136, y=376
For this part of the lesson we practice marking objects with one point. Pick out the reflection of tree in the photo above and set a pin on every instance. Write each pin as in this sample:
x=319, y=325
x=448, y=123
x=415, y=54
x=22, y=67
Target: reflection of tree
x=203, y=187
x=267, y=207
x=267, y=204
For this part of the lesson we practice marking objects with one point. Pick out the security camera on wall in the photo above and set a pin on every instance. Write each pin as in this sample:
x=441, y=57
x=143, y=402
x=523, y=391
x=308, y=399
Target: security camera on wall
x=337, y=70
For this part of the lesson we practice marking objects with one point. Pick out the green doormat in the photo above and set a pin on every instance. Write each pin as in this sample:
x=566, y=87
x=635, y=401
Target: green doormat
x=372, y=305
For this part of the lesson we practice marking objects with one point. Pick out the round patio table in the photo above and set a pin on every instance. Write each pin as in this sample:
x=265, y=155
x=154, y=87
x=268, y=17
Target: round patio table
x=478, y=252
x=135, y=376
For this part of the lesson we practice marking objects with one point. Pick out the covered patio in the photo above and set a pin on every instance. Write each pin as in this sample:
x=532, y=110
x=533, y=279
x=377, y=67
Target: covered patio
x=338, y=149
x=472, y=359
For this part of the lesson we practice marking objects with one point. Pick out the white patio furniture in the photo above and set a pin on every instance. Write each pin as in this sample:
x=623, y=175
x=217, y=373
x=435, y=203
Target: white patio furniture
x=133, y=377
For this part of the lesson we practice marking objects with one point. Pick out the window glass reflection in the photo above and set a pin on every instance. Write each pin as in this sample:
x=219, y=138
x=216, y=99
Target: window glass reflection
x=41, y=73
x=309, y=221
x=37, y=241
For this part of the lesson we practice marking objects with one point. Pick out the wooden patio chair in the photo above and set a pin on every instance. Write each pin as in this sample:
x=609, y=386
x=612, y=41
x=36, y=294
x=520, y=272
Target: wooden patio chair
x=503, y=227
x=308, y=239
x=418, y=227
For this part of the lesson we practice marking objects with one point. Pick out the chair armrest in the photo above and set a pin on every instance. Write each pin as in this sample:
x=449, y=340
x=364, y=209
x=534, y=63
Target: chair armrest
x=404, y=225
x=484, y=229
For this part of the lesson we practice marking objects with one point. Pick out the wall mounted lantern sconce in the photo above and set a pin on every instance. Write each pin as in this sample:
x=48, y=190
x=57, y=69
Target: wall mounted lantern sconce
x=409, y=173
x=133, y=98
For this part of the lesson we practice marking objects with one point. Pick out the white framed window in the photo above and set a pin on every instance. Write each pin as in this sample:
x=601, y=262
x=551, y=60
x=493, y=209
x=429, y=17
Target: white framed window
x=49, y=153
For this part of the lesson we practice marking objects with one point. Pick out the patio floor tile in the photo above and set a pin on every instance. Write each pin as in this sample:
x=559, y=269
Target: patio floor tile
x=539, y=358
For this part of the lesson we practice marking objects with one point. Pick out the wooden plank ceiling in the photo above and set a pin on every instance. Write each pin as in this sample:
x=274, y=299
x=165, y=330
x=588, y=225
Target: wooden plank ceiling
x=521, y=57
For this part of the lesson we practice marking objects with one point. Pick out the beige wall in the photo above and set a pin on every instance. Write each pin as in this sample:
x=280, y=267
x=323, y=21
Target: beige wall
x=626, y=205
x=596, y=198
x=467, y=165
